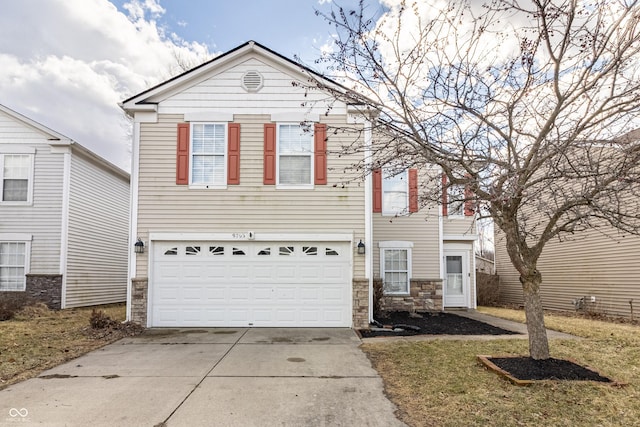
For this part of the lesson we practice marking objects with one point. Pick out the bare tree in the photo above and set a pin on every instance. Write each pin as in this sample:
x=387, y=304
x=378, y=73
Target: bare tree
x=525, y=103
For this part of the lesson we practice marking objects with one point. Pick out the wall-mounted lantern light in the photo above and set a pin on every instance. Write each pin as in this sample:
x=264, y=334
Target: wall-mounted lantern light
x=139, y=246
x=361, y=248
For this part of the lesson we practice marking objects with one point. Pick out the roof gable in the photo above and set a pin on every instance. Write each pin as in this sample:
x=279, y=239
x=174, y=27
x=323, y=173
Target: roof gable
x=148, y=100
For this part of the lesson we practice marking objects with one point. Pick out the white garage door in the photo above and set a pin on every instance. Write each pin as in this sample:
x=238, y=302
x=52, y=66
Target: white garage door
x=292, y=284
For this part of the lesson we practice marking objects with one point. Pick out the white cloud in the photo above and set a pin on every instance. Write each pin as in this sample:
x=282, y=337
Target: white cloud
x=67, y=64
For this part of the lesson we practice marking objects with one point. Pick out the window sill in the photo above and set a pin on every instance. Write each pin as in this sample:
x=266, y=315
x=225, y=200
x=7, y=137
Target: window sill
x=28, y=203
x=207, y=187
x=458, y=217
x=294, y=187
x=395, y=214
x=396, y=294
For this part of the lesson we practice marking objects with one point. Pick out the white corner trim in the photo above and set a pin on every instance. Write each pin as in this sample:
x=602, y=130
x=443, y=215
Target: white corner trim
x=16, y=237
x=395, y=244
x=64, y=237
x=208, y=116
x=463, y=237
x=295, y=116
x=133, y=211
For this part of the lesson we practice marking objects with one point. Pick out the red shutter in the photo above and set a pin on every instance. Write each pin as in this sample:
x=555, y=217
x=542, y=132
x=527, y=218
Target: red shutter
x=445, y=199
x=320, y=153
x=377, y=190
x=233, y=154
x=269, y=172
x=182, y=156
x=413, y=190
x=468, y=202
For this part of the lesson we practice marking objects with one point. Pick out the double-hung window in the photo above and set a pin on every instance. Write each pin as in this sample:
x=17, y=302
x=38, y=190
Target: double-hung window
x=295, y=155
x=15, y=175
x=13, y=261
x=455, y=200
x=395, y=267
x=208, y=154
x=395, y=192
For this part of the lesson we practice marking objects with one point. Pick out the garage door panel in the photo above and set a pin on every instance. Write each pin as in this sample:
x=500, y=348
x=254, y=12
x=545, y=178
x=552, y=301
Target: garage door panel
x=273, y=284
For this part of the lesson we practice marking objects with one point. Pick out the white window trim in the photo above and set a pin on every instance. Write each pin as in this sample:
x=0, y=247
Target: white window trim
x=396, y=245
x=312, y=157
x=24, y=152
x=20, y=238
x=403, y=212
x=226, y=153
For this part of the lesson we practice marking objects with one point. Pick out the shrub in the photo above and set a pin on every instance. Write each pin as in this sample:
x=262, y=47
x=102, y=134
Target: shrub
x=101, y=320
x=11, y=304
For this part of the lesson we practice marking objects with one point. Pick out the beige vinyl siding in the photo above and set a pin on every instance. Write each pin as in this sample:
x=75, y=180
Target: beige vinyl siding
x=421, y=228
x=97, y=234
x=42, y=219
x=591, y=265
x=250, y=206
x=461, y=226
x=223, y=92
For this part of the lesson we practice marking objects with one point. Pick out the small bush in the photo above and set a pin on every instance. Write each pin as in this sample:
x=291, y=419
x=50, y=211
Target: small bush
x=33, y=311
x=11, y=304
x=101, y=320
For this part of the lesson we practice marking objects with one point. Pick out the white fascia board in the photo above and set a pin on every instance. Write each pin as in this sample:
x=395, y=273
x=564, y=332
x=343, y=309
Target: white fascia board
x=460, y=237
x=258, y=237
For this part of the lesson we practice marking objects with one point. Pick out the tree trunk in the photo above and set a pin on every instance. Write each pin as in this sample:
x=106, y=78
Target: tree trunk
x=538, y=341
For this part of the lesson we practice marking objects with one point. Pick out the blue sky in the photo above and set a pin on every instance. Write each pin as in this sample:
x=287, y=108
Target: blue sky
x=68, y=63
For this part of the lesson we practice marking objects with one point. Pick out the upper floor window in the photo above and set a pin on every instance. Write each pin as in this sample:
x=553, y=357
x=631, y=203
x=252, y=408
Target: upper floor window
x=395, y=192
x=13, y=261
x=455, y=200
x=208, y=144
x=295, y=155
x=15, y=177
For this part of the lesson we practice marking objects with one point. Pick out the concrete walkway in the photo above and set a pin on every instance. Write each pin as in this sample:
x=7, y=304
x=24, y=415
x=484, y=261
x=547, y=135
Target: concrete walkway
x=209, y=377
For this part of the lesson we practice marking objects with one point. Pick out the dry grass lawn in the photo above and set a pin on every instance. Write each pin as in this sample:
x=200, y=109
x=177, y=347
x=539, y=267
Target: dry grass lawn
x=38, y=339
x=440, y=383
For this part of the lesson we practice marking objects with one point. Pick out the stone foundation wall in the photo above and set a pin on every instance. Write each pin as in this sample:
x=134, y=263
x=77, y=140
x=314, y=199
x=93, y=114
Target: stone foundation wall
x=139, y=298
x=44, y=288
x=424, y=295
x=360, y=303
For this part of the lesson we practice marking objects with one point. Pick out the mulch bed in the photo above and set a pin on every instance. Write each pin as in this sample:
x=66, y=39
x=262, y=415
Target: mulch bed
x=430, y=324
x=523, y=370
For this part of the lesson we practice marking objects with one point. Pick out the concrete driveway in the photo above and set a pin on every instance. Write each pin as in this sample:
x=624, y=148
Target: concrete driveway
x=209, y=377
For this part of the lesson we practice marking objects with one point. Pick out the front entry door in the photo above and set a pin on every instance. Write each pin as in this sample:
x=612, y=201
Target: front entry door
x=456, y=280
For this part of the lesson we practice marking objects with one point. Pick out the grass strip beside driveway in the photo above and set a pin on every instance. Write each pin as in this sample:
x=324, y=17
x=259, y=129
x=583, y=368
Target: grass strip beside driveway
x=38, y=339
x=440, y=383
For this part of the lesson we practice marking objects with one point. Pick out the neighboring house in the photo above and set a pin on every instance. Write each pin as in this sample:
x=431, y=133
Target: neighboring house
x=249, y=217
x=597, y=270
x=64, y=216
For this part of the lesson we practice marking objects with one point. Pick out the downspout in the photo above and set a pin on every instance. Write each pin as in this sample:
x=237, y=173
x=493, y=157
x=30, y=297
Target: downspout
x=368, y=212
x=133, y=211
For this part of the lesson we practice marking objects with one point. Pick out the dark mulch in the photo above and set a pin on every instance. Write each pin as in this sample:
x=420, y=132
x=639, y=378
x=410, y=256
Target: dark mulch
x=431, y=324
x=526, y=368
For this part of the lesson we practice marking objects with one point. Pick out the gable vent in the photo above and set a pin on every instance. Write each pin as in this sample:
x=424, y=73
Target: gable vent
x=252, y=81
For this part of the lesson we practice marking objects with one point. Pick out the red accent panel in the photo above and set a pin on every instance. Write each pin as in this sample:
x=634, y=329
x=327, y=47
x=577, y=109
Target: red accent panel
x=320, y=153
x=468, y=202
x=413, y=190
x=377, y=190
x=269, y=172
x=233, y=154
x=445, y=199
x=182, y=156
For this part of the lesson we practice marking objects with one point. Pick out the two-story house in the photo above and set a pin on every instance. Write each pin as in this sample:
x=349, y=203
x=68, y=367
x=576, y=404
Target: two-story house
x=64, y=218
x=246, y=214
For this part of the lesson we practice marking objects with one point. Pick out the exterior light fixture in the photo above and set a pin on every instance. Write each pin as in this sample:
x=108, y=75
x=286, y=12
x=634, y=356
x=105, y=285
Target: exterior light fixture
x=361, y=248
x=139, y=246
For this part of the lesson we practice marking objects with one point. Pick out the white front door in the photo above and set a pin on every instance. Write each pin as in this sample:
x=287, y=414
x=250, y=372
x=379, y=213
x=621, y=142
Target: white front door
x=456, y=279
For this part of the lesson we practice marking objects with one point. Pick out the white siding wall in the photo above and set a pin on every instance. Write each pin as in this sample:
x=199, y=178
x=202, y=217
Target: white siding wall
x=98, y=234
x=250, y=206
x=590, y=265
x=223, y=92
x=43, y=218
